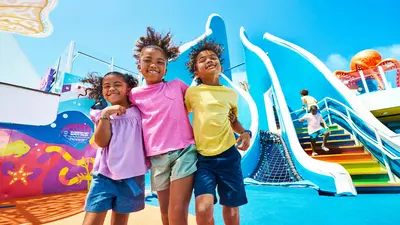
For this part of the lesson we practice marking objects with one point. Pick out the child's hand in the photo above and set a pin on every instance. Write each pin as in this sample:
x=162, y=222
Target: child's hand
x=245, y=139
x=115, y=109
x=232, y=117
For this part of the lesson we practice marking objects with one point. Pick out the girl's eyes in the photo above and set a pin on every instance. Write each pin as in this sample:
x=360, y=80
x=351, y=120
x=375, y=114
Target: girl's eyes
x=108, y=86
x=158, y=62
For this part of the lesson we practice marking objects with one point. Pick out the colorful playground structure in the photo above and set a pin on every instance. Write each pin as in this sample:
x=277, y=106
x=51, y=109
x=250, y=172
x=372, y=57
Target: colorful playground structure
x=47, y=146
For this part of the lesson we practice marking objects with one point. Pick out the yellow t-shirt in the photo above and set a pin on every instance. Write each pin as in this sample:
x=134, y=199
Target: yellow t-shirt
x=211, y=126
x=308, y=101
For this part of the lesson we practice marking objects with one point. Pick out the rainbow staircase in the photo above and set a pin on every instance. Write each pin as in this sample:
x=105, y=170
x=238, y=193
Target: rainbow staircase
x=368, y=174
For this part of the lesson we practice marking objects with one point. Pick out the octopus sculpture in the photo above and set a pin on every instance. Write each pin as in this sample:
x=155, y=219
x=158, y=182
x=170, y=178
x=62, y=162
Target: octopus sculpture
x=368, y=61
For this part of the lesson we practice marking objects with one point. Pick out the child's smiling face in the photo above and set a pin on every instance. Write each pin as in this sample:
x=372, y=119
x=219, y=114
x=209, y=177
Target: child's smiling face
x=208, y=66
x=152, y=65
x=115, y=89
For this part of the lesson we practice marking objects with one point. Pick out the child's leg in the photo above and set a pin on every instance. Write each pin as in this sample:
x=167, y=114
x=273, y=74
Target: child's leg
x=163, y=200
x=119, y=218
x=181, y=188
x=92, y=218
x=180, y=194
x=231, y=188
x=313, y=139
x=99, y=200
x=325, y=139
x=231, y=215
x=313, y=142
x=205, y=209
x=205, y=183
x=129, y=199
x=172, y=178
x=160, y=173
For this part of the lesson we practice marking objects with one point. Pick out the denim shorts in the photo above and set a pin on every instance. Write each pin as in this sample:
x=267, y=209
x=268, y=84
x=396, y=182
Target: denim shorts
x=171, y=166
x=317, y=133
x=122, y=196
x=222, y=172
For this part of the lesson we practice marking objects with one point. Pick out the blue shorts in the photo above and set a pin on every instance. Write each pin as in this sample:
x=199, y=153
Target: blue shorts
x=118, y=195
x=318, y=133
x=222, y=172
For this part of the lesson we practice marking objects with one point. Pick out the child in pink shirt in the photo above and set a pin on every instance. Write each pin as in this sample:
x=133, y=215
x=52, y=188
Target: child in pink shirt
x=117, y=184
x=167, y=133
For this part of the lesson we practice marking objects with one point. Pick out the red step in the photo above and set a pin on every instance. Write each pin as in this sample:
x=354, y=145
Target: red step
x=337, y=150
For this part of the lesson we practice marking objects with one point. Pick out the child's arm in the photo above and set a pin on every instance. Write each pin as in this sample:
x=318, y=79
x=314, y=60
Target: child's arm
x=238, y=128
x=186, y=100
x=303, y=118
x=102, y=132
x=244, y=136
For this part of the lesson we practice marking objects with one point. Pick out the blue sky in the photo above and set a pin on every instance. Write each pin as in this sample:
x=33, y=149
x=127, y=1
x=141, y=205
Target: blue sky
x=333, y=30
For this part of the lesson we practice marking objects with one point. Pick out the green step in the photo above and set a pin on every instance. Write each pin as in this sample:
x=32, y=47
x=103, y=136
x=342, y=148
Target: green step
x=372, y=183
x=305, y=129
x=370, y=178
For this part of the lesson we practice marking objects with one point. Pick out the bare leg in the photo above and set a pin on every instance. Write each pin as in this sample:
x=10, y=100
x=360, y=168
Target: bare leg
x=119, y=219
x=231, y=215
x=326, y=135
x=94, y=218
x=163, y=199
x=205, y=209
x=179, y=199
x=313, y=145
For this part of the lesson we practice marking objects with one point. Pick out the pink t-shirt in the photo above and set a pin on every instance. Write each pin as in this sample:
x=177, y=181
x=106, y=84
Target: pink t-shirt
x=124, y=157
x=165, y=122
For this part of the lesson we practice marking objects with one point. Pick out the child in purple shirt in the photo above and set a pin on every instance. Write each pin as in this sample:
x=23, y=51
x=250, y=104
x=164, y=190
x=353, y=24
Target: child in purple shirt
x=118, y=183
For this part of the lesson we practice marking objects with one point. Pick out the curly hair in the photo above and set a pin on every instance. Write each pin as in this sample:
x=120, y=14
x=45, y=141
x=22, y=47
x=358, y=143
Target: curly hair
x=304, y=92
x=204, y=45
x=96, y=82
x=158, y=41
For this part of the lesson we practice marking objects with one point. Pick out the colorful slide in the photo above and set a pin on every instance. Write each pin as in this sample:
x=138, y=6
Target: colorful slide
x=256, y=162
x=358, y=141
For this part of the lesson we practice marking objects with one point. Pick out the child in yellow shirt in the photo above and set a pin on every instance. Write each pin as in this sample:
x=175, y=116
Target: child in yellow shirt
x=219, y=161
x=307, y=100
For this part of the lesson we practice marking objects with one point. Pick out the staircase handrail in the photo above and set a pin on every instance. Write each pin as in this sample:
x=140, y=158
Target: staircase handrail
x=377, y=143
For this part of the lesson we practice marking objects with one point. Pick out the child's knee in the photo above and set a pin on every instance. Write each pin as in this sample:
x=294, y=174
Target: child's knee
x=204, y=210
x=231, y=215
x=231, y=212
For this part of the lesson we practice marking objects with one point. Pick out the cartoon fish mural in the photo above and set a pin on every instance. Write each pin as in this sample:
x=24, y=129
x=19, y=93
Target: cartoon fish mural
x=16, y=148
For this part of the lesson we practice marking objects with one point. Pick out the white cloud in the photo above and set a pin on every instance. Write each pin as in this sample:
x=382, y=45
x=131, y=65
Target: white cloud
x=390, y=52
x=338, y=62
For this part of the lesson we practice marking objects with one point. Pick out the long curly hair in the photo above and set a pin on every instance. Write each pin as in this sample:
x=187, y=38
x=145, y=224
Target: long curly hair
x=96, y=82
x=204, y=45
x=156, y=40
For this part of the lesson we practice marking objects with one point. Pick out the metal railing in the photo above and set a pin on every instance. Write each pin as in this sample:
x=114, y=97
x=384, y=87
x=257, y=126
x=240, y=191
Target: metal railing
x=378, y=141
x=65, y=64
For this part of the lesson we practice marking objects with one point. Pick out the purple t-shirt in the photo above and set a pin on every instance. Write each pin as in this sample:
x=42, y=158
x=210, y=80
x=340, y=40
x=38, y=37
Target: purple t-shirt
x=165, y=121
x=124, y=157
